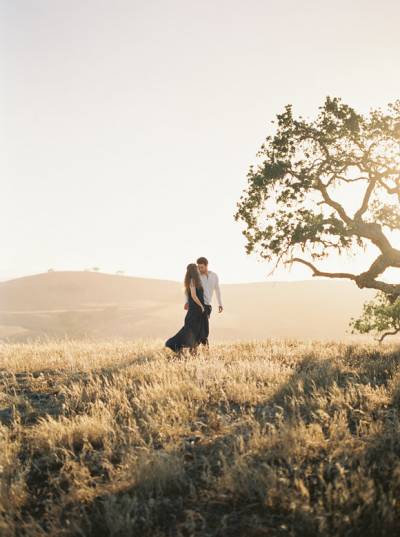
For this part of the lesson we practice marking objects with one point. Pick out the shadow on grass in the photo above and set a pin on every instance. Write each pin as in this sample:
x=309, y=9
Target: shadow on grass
x=197, y=505
x=36, y=394
x=179, y=493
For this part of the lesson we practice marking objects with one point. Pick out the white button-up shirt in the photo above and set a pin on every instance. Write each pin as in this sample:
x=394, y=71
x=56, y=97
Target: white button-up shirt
x=210, y=284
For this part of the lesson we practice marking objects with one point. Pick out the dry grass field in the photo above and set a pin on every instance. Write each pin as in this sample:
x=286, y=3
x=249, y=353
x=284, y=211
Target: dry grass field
x=272, y=438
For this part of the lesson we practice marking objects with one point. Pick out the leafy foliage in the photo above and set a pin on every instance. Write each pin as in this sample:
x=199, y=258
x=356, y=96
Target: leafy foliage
x=297, y=199
x=285, y=195
x=380, y=316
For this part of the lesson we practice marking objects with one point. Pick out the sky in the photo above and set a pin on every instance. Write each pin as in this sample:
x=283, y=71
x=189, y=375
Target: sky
x=128, y=127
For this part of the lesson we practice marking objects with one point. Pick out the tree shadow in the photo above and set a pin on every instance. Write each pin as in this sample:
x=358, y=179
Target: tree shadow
x=38, y=393
x=190, y=502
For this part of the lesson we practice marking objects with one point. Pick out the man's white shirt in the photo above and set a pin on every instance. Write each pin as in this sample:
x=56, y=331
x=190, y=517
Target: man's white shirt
x=210, y=284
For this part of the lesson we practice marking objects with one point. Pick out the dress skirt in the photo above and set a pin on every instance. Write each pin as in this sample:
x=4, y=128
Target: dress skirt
x=194, y=331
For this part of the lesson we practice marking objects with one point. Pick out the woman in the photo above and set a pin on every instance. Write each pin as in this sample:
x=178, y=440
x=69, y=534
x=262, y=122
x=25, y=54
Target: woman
x=194, y=330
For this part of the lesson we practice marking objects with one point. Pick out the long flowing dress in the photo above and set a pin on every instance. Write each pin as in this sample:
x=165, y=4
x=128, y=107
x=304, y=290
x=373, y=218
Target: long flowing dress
x=194, y=331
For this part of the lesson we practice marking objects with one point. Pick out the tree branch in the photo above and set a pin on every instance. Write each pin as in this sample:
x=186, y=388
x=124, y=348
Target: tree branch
x=393, y=333
x=334, y=204
x=317, y=272
x=387, y=288
x=391, y=189
x=348, y=180
x=377, y=267
x=373, y=232
x=367, y=196
x=365, y=280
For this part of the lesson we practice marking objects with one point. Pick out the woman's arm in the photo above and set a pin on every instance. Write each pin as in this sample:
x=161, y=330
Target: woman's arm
x=186, y=305
x=194, y=295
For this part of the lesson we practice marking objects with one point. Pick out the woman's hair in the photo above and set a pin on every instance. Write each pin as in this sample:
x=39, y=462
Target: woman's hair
x=192, y=273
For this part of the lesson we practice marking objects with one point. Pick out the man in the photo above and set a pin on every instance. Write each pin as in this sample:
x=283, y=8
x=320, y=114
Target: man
x=210, y=283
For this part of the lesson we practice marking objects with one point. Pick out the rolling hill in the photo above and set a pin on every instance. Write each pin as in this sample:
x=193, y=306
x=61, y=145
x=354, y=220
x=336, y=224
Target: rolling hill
x=96, y=305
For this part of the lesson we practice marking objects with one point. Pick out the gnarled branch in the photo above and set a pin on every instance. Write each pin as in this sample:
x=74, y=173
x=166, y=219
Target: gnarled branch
x=317, y=272
x=364, y=206
x=334, y=204
x=393, y=333
x=365, y=280
x=387, y=288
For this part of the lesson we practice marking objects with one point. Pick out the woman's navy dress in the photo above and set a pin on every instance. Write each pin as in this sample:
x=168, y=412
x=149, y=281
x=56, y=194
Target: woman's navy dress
x=193, y=331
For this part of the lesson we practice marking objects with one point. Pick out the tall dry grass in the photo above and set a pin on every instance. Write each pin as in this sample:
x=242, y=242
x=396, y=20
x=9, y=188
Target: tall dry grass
x=269, y=438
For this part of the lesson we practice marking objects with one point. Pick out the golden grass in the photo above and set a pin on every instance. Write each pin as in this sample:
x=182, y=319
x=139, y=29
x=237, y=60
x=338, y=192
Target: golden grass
x=250, y=439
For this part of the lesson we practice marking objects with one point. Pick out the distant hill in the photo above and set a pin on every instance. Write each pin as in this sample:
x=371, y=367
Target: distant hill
x=96, y=305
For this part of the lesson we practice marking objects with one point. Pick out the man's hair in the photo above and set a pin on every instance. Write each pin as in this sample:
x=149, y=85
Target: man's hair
x=202, y=261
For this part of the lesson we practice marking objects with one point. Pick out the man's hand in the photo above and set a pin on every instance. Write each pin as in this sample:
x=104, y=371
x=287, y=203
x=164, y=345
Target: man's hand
x=220, y=309
x=186, y=306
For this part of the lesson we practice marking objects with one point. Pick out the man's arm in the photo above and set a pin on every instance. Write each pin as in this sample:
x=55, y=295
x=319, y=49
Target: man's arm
x=218, y=293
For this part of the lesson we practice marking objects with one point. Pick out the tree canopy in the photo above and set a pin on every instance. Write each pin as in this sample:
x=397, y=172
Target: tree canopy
x=327, y=185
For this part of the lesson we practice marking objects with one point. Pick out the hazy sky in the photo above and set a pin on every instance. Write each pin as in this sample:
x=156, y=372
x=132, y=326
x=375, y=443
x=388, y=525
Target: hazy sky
x=128, y=127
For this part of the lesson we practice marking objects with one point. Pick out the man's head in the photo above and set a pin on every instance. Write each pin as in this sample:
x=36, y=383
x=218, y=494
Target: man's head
x=202, y=264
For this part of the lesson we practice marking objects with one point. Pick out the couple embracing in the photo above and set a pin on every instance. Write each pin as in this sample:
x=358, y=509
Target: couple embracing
x=200, y=284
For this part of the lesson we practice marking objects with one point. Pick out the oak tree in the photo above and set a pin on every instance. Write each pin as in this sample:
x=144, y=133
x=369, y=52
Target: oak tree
x=328, y=185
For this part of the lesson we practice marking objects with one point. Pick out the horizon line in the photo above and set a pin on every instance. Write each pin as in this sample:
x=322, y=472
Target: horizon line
x=123, y=274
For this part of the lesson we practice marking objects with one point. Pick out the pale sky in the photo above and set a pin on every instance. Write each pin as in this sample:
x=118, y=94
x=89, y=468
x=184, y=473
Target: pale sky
x=128, y=127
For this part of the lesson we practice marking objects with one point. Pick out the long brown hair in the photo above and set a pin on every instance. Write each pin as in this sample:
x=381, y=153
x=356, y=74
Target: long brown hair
x=192, y=273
